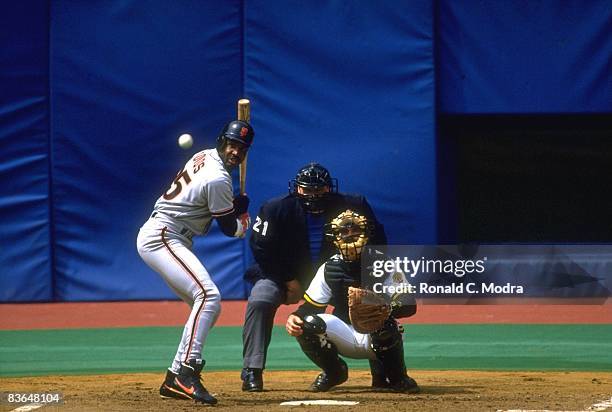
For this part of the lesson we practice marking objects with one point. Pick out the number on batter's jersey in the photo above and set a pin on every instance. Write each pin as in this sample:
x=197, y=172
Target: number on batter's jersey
x=202, y=190
x=176, y=187
x=259, y=222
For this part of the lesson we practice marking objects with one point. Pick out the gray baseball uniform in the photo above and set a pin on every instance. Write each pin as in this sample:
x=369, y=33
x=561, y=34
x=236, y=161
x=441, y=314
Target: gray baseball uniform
x=201, y=191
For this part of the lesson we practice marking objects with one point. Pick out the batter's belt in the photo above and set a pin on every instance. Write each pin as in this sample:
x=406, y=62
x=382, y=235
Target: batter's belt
x=183, y=231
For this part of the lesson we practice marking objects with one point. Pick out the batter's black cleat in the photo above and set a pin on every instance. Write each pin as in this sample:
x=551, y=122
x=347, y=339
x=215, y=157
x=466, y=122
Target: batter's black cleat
x=168, y=389
x=189, y=384
x=405, y=385
x=252, y=380
x=325, y=381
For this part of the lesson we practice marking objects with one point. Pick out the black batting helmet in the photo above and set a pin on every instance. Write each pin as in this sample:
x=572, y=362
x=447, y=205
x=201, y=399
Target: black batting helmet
x=313, y=177
x=238, y=131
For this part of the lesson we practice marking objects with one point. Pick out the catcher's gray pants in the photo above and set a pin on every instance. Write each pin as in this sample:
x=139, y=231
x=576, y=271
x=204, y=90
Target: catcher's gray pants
x=265, y=298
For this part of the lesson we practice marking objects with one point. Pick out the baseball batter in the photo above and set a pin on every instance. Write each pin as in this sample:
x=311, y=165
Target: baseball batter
x=201, y=191
x=323, y=337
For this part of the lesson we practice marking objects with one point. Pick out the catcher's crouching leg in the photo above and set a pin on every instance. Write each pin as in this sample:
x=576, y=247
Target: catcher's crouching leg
x=389, y=349
x=323, y=353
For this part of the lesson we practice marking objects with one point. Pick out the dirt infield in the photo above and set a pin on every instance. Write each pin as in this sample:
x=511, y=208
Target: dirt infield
x=441, y=390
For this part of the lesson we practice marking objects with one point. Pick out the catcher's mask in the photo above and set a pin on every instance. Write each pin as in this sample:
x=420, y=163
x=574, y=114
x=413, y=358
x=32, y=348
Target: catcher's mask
x=312, y=185
x=350, y=232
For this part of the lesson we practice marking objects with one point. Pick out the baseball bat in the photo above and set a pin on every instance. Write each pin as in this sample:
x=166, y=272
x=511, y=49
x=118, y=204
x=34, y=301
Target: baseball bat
x=244, y=113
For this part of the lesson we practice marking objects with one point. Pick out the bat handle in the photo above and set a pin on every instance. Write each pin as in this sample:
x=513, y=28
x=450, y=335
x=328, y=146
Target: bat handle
x=243, y=167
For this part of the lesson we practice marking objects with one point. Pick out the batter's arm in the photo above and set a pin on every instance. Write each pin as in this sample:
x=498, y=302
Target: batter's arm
x=228, y=224
x=221, y=204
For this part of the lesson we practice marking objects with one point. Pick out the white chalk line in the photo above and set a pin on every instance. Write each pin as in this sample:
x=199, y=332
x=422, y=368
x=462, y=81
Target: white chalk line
x=596, y=407
x=308, y=402
x=601, y=406
x=28, y=407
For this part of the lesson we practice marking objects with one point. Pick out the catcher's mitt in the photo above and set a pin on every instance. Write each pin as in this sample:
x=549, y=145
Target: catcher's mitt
x=367, y=310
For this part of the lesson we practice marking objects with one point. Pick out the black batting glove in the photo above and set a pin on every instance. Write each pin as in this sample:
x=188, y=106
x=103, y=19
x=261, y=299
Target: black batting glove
x=241, y=204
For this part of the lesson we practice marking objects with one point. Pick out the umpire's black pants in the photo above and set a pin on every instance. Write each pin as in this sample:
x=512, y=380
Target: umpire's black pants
x=265, y=298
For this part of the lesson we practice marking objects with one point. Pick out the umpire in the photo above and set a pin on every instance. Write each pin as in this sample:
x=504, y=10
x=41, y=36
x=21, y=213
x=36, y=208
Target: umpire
x=288, y=245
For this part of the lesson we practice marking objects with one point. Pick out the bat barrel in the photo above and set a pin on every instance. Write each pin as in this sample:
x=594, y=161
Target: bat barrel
x=244, y=114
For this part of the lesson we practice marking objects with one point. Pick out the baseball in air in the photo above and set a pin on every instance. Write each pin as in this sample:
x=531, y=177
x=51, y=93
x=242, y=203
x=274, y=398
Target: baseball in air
x=185, y=141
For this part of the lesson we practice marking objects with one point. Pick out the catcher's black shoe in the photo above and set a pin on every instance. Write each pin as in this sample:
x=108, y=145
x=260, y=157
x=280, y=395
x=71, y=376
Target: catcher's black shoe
x=405, y=385
x=252, y=380
x=325, y=381
x=378, y=383
x=189, y=384
x=168, y=389
x=379, y=379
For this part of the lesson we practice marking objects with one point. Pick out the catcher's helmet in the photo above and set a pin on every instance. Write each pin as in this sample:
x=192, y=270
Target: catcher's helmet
x=349, y=232
x=314, y=183
x=238, y=131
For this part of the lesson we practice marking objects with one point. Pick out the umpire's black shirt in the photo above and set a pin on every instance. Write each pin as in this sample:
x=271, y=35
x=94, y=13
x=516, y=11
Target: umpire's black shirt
x=279, y=237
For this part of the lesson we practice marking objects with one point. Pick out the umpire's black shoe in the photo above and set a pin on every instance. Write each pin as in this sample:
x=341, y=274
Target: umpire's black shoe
x=189, y=384
x=252, y=380
x=168, y=389
x=325, y=381
x=405, y=385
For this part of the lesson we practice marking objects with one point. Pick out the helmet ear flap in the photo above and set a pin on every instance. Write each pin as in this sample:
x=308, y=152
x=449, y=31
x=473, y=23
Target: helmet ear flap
x=220, y=142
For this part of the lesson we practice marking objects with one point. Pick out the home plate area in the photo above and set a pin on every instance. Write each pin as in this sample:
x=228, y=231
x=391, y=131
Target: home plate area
x=440, y=390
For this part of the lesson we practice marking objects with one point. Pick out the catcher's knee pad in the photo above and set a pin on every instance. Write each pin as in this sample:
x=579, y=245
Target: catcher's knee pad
x=312, y=338
x=313, y=325
x=317, y=347
x=313, y=330
x=387, y=337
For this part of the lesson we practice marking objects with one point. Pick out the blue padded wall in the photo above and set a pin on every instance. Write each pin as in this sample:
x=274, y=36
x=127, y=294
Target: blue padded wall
x=523, y=56
x=351, y=85
x=127, y=79
x=25, y=247
x=94, y=95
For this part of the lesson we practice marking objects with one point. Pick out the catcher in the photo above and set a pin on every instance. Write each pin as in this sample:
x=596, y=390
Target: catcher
x=360, y=327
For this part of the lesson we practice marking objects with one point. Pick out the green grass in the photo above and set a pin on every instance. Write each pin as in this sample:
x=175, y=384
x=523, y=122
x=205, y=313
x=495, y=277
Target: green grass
x=437, y=347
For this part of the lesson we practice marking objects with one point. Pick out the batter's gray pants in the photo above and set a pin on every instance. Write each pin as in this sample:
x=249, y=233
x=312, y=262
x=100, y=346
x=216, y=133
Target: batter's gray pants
x=265, y=298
